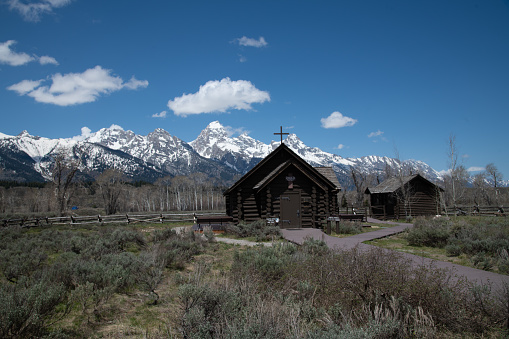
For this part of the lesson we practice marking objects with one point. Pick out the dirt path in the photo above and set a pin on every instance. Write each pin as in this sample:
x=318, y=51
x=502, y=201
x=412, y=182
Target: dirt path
x=298, y=236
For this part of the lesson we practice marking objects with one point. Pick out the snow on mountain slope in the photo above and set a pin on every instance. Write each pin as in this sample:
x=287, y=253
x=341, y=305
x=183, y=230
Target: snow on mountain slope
x=26, y=151
x=37, y=147
x=244, y=152
x=169, y=153
x=213, y=142
x=5, y=136
x=159, y=154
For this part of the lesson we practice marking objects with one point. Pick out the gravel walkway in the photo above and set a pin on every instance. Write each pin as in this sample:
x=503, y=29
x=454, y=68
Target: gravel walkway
x=298, y=236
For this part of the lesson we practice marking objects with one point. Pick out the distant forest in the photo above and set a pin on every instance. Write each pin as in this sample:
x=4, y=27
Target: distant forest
x=111, y=193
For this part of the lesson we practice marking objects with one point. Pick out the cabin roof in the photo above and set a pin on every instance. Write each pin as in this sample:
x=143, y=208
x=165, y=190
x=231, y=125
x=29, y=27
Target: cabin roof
x=393, y=184
x=329, y=173
x=297, y=161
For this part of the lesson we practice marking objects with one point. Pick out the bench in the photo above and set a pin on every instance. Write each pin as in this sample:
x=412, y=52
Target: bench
x=215, y=223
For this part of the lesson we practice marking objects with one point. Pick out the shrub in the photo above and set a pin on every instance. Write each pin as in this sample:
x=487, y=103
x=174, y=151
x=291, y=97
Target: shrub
x=162, y=235
x=27, y=308
x=349, y=227
x=266, y=264
x=205, y=309
x=453, y=249
x=503, y=261
x=482, y=261
x=429, y=232
x=257, y=229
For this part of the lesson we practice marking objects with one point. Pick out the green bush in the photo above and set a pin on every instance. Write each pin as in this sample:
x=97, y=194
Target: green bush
x=429, y=232
x=257, y=229
x=206, y=309
x=349, y=227
x=453, y=249
x=29, y=307
x=503, y=261
x=267, y=264
x=162, y=235
x=482, y=261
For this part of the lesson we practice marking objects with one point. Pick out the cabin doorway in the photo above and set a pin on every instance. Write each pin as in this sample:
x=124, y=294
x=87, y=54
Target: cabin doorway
x=290, y=210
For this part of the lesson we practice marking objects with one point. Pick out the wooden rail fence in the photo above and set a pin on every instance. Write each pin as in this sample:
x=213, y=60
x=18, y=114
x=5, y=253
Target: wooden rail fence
x=477, y=210
x=105, y=219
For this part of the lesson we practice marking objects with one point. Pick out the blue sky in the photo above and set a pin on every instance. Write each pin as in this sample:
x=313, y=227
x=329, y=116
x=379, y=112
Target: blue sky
x=353, y=78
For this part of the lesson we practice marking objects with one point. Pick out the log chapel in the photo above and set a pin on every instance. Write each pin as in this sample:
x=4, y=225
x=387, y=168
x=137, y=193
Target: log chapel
x=285, y=188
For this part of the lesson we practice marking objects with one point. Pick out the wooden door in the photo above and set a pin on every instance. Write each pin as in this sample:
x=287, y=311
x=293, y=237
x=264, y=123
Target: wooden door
x=290, y=210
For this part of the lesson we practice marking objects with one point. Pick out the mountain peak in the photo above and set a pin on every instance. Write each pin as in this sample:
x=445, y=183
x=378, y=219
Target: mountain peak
x=24, y=134
x=159, y=131
x=215, y=125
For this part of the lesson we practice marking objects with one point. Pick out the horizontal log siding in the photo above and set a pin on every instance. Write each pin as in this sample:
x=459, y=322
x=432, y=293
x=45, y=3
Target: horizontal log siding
x=252, y=205
x=421, y=204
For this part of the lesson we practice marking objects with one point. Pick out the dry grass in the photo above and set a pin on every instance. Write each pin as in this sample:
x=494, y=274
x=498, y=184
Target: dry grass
x=133, y=315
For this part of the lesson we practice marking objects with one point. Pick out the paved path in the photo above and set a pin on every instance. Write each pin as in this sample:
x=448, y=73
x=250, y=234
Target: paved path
x=298, y=236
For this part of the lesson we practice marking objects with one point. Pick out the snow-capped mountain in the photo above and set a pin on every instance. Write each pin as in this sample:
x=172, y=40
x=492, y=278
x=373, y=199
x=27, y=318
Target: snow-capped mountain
x=240, y=153
x=29, y=158
x=168, y=153
x=243, y=152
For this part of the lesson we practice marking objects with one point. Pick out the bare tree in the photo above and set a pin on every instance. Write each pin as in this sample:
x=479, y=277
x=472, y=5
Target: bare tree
x=495, y=176
x=452, y=155
x=456, y=186
x=480, y=188
x=406, y=191
x=63, y=172
x=111, y=184
x=164, y=192
x=361, y=181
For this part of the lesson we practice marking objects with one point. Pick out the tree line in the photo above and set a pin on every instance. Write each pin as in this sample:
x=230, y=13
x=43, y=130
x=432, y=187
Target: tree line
x=109, y=193
x=112, y=193
x=460, y=188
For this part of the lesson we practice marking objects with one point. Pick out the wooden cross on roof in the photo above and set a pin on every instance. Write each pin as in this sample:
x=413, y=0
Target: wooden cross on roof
x=281, y=133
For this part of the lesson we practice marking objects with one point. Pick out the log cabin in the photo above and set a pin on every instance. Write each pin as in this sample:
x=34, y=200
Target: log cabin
x=284, y=189
x=406, y=196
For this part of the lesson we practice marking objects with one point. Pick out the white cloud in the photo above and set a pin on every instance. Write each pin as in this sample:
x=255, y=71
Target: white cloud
x=32, y=11
x=340, y=146
x=337, y=120
x=85, y=133
x=230, y=131
x=114, y=127
x=75, y=88
x=45, y=60
x=375, y=134
x=25, y=86
x=242, y=58
x=7, y=56
x=159, y=115
x=476, y=169
x=245, y=41
x=134, y=83
x=219, y=96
